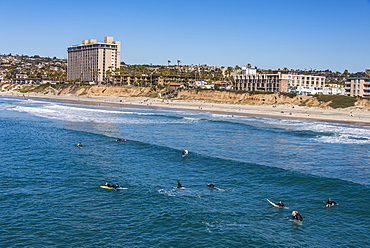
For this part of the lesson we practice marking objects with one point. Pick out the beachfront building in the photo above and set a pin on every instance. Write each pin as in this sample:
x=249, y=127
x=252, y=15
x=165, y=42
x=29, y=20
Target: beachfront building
x=248, y=79
x=93, y=61
x=358, y=87
x=313, y=90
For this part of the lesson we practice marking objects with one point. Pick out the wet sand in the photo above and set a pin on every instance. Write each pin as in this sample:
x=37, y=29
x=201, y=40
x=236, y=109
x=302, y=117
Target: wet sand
x=355, y=115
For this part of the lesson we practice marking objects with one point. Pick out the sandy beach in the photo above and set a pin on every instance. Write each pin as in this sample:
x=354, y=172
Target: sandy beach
x=355, y=115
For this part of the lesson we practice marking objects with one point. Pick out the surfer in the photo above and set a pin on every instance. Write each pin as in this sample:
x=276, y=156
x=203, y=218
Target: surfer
x=179, y=186
x=120, y=140
x=211, y=185
x=109, y=185
x=117, y=186
x=79, y=144
x=185, y=153
x=330, y=203
x=296, y=215
x=280, y=204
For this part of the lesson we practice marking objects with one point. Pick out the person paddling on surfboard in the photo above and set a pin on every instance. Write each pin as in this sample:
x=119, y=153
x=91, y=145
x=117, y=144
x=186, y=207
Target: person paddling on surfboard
x=179, y=186
x=109, y=185
x=330, y=203
x=280, y=204
x=117, y=186
x=296, y=216
x=211, y=185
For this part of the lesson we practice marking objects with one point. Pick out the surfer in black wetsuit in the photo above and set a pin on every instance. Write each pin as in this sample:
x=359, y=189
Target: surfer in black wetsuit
x=185, y=153
x=296, y=216
x=211, y=185
x=79, y=144
x=116, y=186
x=330, y=202
x=109, y=185
x=179, y=185
x=280, y=204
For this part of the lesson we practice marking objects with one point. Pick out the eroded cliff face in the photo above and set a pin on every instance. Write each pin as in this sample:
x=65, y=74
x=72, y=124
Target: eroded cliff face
x=246, y=98
x=231, y=97
x=102, y=90
x=363, y=103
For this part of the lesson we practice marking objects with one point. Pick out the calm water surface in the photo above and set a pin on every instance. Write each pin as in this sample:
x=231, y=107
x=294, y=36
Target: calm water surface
x=50, y=195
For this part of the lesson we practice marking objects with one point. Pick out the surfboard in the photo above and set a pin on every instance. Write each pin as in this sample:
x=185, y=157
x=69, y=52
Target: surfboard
x=273, y=204
x=106, y=187
x=179, y=188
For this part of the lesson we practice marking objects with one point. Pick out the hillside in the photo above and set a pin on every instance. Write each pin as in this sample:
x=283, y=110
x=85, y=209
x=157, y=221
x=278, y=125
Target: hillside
x=215, y=96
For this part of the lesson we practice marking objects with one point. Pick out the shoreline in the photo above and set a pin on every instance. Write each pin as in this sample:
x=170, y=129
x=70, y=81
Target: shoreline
x=353, y=115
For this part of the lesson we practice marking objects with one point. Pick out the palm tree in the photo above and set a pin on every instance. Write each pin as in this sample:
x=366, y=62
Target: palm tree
x=178, y=62
x=229, y=70
x=109, y=74
x=168, y=61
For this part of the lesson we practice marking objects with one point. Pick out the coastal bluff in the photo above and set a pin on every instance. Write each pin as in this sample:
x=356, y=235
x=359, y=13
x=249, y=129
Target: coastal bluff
x=212, y=96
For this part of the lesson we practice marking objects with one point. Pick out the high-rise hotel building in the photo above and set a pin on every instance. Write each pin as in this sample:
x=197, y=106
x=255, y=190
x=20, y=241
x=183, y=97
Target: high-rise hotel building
x=90, y=61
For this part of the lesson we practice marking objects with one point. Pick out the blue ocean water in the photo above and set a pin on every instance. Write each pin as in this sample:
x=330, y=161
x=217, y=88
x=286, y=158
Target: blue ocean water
x=50, y=194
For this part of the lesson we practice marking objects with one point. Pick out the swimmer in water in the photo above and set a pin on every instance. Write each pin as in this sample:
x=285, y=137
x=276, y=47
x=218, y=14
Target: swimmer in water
x=296, y=216
x=185, y=153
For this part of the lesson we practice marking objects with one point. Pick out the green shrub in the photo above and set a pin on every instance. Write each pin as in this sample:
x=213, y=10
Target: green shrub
x=261, y=92
x=291, y=95
x=337, y=101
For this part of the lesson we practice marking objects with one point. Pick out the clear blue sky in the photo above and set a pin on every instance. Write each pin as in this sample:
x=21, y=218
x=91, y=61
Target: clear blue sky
x=269, y=34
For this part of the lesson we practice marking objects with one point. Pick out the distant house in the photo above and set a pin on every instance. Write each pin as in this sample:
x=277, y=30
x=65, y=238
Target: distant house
x=223, y=85
x=27, y=81
x=203, y=85
x=311, y=90
x=177, y=85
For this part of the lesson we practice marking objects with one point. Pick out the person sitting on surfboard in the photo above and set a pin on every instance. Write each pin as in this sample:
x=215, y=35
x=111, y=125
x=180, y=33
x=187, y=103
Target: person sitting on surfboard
x=179, y=186
x=280, y=204
x=296, y=215
x=211, y=185
x=330, y=203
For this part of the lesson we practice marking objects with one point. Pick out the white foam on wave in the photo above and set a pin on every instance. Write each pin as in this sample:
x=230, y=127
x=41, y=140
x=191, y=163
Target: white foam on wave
x=327, y=132
x=192, y=119
x=95, y=115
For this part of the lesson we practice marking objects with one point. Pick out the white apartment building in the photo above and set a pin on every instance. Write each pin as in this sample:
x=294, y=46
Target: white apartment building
x=305, y=80
x=358, y=87
x=248, y=79
x=90, y=61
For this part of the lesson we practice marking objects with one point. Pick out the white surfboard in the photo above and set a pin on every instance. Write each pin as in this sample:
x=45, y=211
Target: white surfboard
x=273, y=204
